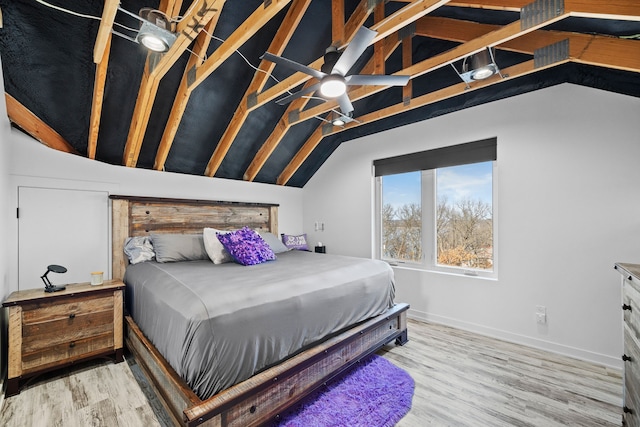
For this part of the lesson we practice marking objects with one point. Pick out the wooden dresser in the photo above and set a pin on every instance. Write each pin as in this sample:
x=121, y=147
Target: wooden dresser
x=631, y=319
x=51, y=330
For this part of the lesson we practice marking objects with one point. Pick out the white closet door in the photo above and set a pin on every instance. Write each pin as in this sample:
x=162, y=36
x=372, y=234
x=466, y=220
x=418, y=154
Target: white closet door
x=65, y=227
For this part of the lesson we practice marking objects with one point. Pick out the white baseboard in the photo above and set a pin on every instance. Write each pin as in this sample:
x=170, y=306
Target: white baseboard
x=577, y=353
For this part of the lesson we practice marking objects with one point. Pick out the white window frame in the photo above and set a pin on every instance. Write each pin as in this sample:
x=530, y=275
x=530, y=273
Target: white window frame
x=429, y=244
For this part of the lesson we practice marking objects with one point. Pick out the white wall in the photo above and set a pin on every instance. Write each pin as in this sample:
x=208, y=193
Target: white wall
x=33, y=164
x=568, y=208
x=5, y=153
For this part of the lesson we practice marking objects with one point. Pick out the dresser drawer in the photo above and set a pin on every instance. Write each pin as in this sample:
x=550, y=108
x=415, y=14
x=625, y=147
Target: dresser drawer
x=631, y=374
x=631, y=298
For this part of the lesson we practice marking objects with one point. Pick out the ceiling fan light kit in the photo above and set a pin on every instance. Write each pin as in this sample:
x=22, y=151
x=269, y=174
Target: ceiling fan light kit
x=333, y=86
x=333, y=75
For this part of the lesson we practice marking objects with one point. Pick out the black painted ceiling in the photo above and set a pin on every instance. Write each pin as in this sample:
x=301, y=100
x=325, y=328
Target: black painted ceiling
x=47, y=59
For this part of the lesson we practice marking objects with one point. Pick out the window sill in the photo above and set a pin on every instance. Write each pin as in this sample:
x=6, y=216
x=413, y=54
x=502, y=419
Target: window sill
x=419, y=268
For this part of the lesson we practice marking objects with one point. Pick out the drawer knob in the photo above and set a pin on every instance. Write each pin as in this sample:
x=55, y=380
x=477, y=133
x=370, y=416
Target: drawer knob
x=626, y=307
x=627, y=410
x=71, y=345
x=72, y=316
x=626, y=358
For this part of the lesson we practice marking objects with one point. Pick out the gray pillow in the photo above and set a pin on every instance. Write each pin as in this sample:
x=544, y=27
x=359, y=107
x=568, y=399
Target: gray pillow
x=139, y=249
x=178, y=247
x=274, y=243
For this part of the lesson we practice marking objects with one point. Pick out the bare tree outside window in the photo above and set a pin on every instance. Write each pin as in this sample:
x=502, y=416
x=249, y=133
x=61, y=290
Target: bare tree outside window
x=402, y=232
x=463, y=217
x=402, y=217
x=464, y=233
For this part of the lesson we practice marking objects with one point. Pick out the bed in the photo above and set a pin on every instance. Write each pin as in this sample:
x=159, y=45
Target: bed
x=288, y=356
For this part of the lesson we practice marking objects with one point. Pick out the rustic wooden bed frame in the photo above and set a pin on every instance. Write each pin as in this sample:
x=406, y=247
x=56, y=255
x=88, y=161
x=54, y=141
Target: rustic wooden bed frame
x=261, y=398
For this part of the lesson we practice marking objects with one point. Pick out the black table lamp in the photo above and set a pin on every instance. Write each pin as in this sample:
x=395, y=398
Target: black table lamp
x=48, y=287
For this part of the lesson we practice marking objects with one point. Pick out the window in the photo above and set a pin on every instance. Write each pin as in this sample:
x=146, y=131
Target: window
x=464, y=216
x=442, y=217
x=402, y=217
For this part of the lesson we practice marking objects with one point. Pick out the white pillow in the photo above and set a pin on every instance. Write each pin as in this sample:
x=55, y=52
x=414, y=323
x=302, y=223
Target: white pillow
x=217, y=253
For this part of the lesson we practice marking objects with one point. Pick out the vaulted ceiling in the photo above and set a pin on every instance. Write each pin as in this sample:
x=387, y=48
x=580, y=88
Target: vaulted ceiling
x=207, y=106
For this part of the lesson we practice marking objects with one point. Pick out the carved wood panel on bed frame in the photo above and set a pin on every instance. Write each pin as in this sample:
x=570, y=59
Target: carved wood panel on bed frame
x=261, y=398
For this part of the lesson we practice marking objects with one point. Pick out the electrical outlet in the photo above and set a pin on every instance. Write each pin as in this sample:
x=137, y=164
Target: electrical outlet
x=541, y=309
x=541, y=318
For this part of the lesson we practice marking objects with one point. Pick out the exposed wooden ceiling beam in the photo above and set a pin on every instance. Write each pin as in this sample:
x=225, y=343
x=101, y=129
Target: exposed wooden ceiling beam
x=96, y=103
x=356, y=20
x=101, y=50
x=260, y=78
x=182, y=96
x=104, y=30
x=500, y=35
x=244, y=32
x=378, y=47
x=605, y=51
x=625, y=10
x=598, y=50
x=407, y=61
x=410, y=13
x=34, y=126
x=337, y=22
x=509, y=5
x=430, y=98
x=200, y=12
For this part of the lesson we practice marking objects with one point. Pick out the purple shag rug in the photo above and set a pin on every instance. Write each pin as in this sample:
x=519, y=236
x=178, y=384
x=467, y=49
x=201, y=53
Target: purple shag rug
x=373, y=393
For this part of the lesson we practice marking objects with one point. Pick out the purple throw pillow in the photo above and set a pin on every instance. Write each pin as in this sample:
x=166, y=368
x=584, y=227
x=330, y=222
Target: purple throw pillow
x=295, y=242
x=246, y=246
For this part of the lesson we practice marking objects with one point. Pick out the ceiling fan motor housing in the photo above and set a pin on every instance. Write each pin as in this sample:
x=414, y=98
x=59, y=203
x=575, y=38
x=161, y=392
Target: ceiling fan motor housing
x=331, y=56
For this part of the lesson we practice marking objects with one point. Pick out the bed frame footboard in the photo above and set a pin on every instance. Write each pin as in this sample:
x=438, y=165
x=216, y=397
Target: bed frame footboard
x=262, y=398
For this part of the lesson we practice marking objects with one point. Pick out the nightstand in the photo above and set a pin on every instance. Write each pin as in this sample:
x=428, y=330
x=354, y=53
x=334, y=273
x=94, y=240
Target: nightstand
x=48, y=331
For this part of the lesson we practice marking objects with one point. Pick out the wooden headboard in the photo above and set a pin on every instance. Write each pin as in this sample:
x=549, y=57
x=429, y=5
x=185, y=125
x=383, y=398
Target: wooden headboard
x=142, y=216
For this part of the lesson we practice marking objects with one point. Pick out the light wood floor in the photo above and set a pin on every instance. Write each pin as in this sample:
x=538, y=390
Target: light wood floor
x=462, y=379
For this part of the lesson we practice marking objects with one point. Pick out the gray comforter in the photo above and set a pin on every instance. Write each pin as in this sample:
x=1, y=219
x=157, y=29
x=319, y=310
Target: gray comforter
x=218, y=325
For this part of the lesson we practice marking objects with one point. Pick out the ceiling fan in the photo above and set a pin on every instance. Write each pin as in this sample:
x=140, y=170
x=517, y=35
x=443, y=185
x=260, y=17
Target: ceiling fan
x=333, y=78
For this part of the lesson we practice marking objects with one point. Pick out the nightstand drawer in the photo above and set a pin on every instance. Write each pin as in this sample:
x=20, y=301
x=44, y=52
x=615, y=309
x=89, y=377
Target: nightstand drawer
x=65, y=309
x=42, y=358
x=39, y=335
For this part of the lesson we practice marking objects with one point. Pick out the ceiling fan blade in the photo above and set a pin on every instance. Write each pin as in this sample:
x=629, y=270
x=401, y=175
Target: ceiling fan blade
x=293, y=65
x=377, y=80
x=345, y=104
x=354, y=50
x=287, y=99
